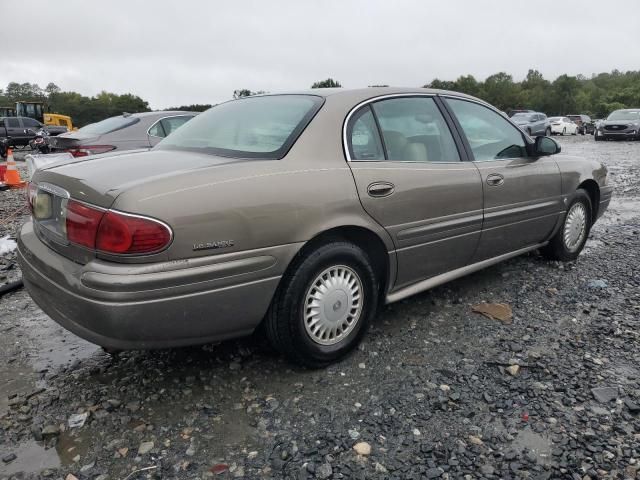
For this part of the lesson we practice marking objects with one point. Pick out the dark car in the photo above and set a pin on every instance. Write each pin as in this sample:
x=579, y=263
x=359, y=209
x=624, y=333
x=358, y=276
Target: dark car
x=298, y=215
x=620, y=124
x=20, y=130
x=533, y=123
x=129, y=131
x=585, y=125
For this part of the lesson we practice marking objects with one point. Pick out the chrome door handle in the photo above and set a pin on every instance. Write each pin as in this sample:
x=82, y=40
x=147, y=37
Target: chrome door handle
x=380, y=189
x=495, y=179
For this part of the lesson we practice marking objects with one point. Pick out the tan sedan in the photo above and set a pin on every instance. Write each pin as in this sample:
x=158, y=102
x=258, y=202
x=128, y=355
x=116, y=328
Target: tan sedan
x=300, y=213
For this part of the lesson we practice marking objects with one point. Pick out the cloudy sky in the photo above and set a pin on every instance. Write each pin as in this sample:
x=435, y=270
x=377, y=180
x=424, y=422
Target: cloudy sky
x=182, y=52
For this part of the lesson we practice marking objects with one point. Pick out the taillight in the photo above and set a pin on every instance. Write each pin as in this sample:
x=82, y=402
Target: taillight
x=31, y=196
x=127, y=234
x=82, y=223
x=86, y=150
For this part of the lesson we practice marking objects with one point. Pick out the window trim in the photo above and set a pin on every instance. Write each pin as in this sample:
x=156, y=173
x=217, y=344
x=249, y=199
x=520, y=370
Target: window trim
x=457, y=140
x=163, y=118
x=528, y=141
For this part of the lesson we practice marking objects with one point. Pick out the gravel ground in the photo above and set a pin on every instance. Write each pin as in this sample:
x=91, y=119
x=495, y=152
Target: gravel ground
x=435, y=391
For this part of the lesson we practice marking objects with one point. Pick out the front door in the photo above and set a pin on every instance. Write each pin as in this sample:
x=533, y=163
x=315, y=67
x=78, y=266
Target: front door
x=522, y=194
x=410, y=179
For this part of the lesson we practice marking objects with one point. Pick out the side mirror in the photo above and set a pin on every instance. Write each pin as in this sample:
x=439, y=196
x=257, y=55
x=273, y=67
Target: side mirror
x=546, y=146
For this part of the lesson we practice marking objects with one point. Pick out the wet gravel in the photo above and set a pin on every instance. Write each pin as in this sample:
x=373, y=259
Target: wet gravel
x=435, y=391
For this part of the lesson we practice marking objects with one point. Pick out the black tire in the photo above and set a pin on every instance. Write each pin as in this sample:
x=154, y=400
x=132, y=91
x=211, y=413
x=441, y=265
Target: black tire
x=285, y=322
x=596, y=137
x=547, y=132
x=557, y=248
x=564, y=131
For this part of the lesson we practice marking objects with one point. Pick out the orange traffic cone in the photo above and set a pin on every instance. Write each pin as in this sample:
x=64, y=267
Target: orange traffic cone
x=12, y=176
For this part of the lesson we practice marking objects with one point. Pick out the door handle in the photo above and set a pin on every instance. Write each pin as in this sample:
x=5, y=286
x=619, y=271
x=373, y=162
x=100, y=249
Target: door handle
x=495, y=179
x=380, y=189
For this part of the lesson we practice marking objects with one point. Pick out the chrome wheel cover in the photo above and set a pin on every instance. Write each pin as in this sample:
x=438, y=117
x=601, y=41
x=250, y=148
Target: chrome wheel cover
x=575, y=227
x=333, y=305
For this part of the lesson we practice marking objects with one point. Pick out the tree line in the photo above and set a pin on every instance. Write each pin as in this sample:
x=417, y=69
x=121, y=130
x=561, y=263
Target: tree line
x=597, y=95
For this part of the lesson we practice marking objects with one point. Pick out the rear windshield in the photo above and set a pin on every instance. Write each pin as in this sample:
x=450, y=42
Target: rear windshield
x=625, y=115
x=252, y=127
x=109, y=125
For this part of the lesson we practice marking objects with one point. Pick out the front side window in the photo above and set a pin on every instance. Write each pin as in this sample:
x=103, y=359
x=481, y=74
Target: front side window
x=252, y=127
x=30, y=123
x=414, y=130
x=156, y=130
x=490, y=136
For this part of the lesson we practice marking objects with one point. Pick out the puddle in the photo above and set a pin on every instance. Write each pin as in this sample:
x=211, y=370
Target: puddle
x=537, y=444
x=31, y=458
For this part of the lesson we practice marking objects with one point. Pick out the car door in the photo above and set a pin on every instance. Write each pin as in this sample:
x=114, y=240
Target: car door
x=522, y=193
x=411, y=178
x=15, y=131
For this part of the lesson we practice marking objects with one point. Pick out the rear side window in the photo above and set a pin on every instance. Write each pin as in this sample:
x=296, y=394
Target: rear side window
x=12, y=123
x=30, y=123
x=170, y=124
x=109, y=125
x=490, y=135
x=253, y=127
x=364, y=141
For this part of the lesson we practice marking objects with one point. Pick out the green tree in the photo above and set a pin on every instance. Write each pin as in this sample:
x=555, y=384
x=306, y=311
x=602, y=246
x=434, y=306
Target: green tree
x=328, y=83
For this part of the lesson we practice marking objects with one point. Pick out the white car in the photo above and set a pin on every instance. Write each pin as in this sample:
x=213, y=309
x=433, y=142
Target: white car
x=563, y=126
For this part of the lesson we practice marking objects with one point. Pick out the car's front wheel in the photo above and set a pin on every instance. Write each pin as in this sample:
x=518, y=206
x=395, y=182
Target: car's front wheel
x=572, y=235
x=323, y=305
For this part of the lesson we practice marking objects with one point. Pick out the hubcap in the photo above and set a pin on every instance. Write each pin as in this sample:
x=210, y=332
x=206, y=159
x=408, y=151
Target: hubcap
x=333, y=305
x=575, y=227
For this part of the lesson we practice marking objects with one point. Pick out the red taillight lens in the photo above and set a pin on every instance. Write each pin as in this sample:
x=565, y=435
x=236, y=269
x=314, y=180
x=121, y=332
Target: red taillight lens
x=86, y=150
x=119, y=233
x=82, y=223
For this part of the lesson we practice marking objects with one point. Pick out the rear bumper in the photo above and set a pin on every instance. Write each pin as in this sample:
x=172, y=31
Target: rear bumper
x=145, y=306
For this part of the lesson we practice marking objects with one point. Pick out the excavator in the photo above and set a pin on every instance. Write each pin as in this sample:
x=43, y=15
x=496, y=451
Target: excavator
x=38, y=111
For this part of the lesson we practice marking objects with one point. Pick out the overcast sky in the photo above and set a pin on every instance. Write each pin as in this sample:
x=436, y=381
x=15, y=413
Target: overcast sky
x=181, y=52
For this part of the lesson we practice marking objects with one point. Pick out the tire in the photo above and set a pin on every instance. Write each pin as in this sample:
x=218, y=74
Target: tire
x=596, y=137
x=290, y=324
x=547, y=132
x=564, y=131
x=569, y=240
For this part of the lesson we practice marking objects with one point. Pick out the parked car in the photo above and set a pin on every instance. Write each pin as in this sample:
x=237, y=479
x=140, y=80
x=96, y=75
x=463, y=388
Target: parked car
x=20, y=130
x=585, y=125
x=619, y=124
x=513, y=112
x=562, y=126
x=300, y=214
x=128, y=131
x=533, y=124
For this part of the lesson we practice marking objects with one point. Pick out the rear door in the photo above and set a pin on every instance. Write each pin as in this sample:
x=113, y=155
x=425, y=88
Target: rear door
x=15, y=130
x=411, y=179
x=522, y=194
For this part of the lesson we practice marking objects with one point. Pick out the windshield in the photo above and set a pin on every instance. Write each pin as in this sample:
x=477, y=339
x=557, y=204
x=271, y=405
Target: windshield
x=252, y=127
x=109, y=125
x=633, y=115
x=522, y=117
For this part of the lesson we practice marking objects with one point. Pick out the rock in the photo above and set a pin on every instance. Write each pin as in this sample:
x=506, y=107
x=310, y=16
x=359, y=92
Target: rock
x=513, y=370
x=475, y=440
x=145, y=447
x=9, y=458
x=487, y=469
x=416, y=432
x=597, y=283
x=219, y=468
x=191, y=451
x=380, y=468
x=605, y=394
x=71, y=476
x=50, y=431
x=434, y=472
x=362, y=448
x=133, y=406
x=445, y=388
x=354, y=434
x=633, y=407
x=325, y=470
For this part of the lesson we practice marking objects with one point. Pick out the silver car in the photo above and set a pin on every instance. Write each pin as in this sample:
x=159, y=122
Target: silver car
x=129, y=131
x=300, y=214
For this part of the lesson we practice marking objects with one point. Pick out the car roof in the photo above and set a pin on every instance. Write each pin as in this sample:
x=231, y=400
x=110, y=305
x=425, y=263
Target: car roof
x=162, y=113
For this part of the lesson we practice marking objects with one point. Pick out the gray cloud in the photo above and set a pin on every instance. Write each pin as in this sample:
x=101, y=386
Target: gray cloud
x=173, y=53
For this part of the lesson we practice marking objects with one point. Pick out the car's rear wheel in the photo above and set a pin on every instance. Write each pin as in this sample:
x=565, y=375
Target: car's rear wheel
x=569, y=240
x=547, y=132
x=564, y=131
x=323, y=305
x=597, y=137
